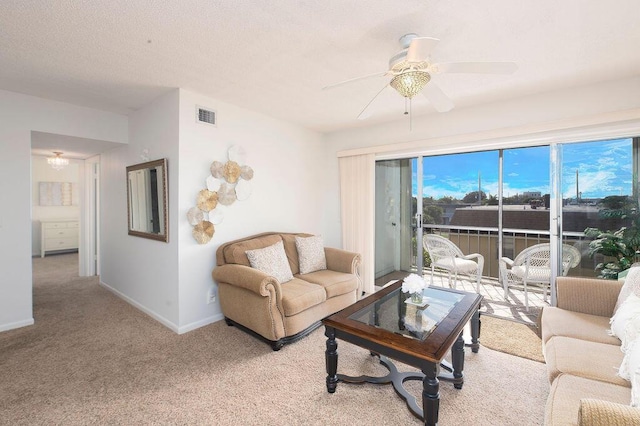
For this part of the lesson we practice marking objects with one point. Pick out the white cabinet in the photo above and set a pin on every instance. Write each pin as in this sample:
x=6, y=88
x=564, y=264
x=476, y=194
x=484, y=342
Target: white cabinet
x=58, y=235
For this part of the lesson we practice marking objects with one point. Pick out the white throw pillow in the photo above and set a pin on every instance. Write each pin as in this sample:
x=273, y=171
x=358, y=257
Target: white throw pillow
x=311, y=254
x=628, y=310
x=631, y=285
x=271, y=260
x=630, y=370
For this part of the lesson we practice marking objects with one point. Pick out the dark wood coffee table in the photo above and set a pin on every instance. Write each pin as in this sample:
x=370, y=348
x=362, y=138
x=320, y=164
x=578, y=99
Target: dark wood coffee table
x=388, y=326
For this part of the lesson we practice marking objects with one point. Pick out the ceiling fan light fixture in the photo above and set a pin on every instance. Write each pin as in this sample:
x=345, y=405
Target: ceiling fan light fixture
x=410, y=83
x=57, y=162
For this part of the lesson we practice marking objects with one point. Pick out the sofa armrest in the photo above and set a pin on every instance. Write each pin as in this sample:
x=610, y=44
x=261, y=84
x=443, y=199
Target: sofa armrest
x=344, y=261
x=341, y=260
x=593, y=296
x=596, y=412
x=248, y=278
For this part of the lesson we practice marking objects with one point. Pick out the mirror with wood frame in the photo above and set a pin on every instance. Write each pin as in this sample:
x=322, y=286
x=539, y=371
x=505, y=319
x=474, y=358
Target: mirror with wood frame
x=147, y=200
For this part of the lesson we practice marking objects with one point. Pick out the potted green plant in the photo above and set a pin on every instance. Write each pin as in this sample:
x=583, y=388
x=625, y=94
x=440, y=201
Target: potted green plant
x=622, y=246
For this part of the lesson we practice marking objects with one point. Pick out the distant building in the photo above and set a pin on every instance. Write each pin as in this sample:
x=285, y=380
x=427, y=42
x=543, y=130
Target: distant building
x=532, y=194
x=448, y=211
x=575, y=219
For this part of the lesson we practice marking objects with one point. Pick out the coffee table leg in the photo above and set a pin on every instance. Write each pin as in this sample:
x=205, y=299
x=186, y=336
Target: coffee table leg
x=430, y=394
x=475, y=331
x=457, y=360
x=331, y=356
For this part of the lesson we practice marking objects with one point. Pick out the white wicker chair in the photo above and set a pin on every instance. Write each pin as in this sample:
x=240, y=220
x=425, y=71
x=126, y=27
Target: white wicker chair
x=532, y=266
x=447, y=256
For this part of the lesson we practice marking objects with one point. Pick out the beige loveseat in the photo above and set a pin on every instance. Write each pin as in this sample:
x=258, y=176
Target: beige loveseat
x=583, y=358
x=277, y=312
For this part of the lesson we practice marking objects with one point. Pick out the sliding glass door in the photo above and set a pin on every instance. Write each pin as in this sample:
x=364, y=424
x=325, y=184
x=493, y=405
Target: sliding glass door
x=460, y=202
x=525, y=201
x=499, y=203
x=395, y=241
x=597, y=194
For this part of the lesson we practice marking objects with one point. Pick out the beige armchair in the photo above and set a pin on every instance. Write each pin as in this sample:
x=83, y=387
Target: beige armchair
x=276, y=312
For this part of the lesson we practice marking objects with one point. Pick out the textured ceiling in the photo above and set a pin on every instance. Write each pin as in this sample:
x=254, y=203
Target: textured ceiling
x=79, y=148
x=274, y=56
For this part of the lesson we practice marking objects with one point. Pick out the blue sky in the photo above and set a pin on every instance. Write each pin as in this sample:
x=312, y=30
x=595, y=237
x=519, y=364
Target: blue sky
x=604, y=167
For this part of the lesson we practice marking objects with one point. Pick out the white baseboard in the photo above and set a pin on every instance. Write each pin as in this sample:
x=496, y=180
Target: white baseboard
x=17, y=324
x=201, y=323
x=162, y=320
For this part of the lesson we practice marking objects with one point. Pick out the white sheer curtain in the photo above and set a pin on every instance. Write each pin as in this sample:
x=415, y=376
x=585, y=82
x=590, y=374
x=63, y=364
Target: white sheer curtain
x=357, y=190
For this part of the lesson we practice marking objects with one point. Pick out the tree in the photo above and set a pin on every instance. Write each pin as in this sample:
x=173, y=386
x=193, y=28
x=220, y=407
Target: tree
x=492, y=201
x=447, y=200
x=472, y=197
x=617, y=203
x=432, y=214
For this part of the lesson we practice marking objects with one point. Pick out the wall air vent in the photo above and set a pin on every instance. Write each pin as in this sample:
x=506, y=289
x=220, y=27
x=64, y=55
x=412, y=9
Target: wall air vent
x=204, y=115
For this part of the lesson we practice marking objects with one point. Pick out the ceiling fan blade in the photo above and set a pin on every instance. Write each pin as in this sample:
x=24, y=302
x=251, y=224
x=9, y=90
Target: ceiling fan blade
x=363, y=115
x=475, y=67
x=420, y=48
x=440, y=101
x=363, y=77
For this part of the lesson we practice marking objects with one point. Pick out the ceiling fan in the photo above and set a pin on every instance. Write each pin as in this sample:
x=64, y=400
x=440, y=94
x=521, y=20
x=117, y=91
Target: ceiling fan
x=411, y=70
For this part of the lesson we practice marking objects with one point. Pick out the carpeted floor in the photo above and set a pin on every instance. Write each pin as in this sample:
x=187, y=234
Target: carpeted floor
x=93, y=359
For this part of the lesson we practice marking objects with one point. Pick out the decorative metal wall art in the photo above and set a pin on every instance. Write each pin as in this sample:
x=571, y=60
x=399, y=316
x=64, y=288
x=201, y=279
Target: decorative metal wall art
x=227, y=183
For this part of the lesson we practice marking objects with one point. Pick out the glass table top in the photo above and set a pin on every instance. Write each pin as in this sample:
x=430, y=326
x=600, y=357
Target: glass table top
x=397, y=314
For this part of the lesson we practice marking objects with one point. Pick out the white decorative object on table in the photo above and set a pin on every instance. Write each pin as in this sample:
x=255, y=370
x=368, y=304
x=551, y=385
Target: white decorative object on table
x=414, y=284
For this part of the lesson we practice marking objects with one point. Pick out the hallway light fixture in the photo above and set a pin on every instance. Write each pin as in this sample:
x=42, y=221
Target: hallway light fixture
x=57, y=162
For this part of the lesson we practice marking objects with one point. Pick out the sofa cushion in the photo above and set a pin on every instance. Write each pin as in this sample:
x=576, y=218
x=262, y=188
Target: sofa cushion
x=236, y=253
x=334, y=283
x=271, y=260
x=291, y=250
x=534, y=274
x=597, y=361
x=462, y=265
x=298, y=295
x=311, y=254
x=566, y=392
x=561, y=322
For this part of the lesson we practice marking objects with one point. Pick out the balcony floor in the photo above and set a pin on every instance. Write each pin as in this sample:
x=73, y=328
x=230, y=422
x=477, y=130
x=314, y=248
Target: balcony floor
x=493, y=303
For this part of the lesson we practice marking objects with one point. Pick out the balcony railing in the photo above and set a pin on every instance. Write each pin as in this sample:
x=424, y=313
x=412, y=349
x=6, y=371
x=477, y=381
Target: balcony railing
x=485, y=241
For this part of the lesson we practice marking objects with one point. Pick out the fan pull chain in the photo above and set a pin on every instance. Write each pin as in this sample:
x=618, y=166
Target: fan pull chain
x=408, y=111
x=410, y=115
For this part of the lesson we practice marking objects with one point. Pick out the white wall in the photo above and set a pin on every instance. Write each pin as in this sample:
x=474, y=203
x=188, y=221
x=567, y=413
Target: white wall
x=526, y=112
x=288, y=188
x=19, y=115
x=142, y=271
x=170, y=281
x=43, y=172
